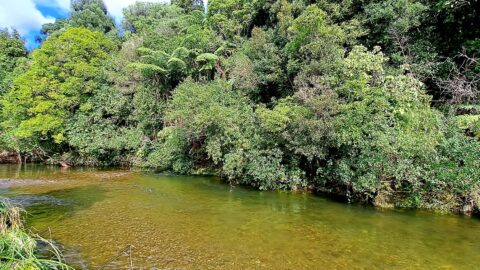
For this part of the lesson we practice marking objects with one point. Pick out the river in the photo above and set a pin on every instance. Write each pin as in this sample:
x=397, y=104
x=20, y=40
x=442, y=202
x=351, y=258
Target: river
x=178, y=222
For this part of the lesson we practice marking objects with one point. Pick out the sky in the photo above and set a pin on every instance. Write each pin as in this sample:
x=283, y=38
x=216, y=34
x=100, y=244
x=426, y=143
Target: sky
x=28, y=16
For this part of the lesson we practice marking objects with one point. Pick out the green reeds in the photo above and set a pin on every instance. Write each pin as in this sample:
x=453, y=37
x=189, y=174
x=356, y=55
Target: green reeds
x=19, y=249
x=10, y=216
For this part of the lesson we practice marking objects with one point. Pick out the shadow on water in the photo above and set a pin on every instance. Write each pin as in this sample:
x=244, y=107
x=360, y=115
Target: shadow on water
x=51, y=207
x=295, y=202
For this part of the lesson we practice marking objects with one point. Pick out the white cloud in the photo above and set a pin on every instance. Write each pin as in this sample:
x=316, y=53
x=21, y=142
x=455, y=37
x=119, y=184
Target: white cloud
x=22, y=15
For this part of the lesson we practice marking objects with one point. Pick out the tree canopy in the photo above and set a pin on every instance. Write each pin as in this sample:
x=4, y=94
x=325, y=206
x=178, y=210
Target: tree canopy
x=90, y=14
x=63, y=74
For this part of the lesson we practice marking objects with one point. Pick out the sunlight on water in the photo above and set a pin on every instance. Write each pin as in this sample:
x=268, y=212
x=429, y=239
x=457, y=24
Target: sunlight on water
x=201, y=223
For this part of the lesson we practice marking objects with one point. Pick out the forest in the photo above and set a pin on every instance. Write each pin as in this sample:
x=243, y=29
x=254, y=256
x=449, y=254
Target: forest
x=371, y=101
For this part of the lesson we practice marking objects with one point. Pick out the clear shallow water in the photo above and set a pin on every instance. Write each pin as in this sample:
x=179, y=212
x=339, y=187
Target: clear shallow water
x=201, y=223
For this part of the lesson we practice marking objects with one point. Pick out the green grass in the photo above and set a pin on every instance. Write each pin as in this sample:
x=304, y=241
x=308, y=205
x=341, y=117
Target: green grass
x=18, y=248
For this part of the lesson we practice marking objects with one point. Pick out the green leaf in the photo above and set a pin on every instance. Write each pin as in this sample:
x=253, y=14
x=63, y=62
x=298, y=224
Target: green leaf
x=147, y=70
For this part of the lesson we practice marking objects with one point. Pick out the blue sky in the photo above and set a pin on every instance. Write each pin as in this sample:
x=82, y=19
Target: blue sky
x=49, y=12
x=28, y=16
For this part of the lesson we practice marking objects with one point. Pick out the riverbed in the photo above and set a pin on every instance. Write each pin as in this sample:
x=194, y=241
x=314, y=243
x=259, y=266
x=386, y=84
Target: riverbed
x=179, y=222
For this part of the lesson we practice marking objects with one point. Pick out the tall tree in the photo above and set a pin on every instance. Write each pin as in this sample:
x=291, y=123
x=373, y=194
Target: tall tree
x=12, y=47
x=90, y=14
x=63, y=74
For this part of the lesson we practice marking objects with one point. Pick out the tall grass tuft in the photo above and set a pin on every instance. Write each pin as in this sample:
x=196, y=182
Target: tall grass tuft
x=10, y=216
x=19, y=249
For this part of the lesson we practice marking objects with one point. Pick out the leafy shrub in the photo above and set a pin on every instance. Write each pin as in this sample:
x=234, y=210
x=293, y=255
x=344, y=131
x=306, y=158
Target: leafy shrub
x=170, y=152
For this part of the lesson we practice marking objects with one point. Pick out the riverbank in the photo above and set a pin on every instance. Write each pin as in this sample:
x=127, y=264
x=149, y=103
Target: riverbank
x=19, y=250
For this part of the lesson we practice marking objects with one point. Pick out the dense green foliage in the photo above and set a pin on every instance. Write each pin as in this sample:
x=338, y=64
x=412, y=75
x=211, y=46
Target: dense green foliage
x=90, y=14
x=62, y=77
x=12, y=51
x=376, y=101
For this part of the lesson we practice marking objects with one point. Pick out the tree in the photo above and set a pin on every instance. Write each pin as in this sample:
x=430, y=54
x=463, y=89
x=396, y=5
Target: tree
x=91, y=14
x=189, y=5
x=269, y=65
x=162, y=61
x=386, y=135
x=209, y=117
x=144, y=17
x=103, y=131
x=12, y=48
x=63, y=74
x=232, y=18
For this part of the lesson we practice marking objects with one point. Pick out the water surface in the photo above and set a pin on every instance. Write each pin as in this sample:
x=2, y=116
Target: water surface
x=178, y=222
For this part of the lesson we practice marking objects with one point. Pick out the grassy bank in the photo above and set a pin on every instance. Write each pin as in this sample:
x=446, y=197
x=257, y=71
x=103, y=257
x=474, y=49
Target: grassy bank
x=19, y=249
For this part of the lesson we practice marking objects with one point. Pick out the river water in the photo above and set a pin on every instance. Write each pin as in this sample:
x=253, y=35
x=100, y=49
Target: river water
x=177, y=222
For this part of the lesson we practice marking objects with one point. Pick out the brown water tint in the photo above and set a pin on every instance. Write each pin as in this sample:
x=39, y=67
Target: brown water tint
x=202, y=223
